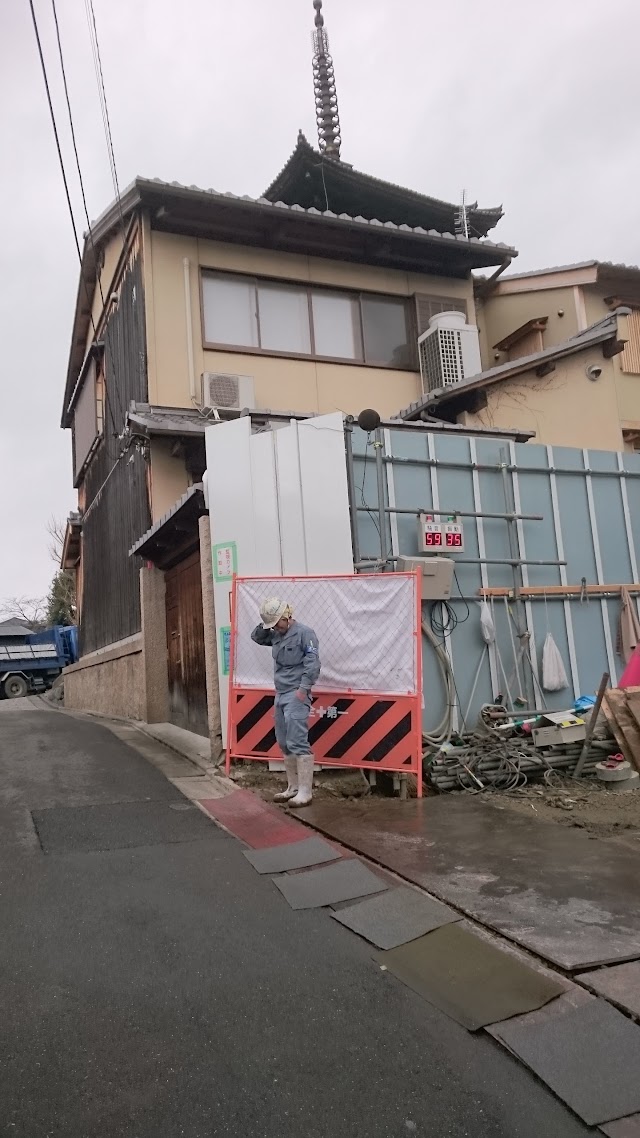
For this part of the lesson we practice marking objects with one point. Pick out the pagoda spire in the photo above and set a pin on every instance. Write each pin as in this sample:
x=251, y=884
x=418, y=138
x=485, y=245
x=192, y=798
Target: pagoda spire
x=324, y=86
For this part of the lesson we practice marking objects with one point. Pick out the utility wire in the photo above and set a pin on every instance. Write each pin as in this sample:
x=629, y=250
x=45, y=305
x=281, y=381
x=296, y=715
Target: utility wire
x=108, y=401
x=102, y=94
x=68, y=197
x=106, y=123
x=55, y=129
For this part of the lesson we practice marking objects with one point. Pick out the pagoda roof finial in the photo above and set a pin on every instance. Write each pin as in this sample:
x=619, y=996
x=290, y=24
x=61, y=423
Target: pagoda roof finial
x=324, y=86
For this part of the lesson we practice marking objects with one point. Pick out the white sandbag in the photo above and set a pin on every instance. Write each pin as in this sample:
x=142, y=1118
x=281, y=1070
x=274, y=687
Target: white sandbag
x=554, y=677
x=487, y=627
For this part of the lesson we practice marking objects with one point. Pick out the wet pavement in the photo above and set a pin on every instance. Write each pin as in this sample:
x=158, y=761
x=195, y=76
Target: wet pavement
x=568, y=898
x=154, y=985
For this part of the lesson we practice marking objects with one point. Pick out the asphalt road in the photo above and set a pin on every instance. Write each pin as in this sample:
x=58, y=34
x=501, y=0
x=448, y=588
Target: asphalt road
x=153, y=986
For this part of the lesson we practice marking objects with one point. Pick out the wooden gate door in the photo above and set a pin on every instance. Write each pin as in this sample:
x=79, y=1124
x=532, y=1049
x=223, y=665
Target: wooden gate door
x=185, y=642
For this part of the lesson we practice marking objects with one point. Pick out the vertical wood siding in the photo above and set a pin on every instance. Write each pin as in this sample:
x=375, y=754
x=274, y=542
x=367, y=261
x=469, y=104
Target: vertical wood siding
x=120, y=513
x=630, y=357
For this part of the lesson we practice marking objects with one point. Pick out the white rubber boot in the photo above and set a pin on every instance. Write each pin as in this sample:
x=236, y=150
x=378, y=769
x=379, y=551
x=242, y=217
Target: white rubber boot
x=291, y=767
x=305, y=781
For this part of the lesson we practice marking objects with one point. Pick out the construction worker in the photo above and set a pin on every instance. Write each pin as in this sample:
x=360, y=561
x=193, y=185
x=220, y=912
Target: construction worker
x=296, y=667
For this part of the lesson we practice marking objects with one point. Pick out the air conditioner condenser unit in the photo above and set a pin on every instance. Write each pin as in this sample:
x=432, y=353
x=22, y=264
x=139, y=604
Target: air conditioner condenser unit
x=449, y=351
x=224, y=391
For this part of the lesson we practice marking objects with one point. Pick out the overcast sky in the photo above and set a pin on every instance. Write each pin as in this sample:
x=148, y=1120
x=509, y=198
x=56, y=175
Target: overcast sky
x=534, y=107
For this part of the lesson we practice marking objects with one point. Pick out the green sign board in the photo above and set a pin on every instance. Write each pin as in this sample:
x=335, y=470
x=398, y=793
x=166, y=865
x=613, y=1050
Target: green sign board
x=225, y=649
x=225, y=560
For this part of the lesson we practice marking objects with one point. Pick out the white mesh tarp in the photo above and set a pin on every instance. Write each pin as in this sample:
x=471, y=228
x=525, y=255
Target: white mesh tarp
x=365, y=624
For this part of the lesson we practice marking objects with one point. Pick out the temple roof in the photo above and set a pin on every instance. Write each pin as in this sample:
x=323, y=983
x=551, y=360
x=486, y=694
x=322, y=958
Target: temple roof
x=311, y=179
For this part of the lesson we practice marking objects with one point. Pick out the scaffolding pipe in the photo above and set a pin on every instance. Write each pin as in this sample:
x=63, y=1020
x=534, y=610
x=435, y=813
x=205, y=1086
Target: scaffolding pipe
x=351, y=487
x=522, y=631
x=368, y=562
x=382, y=521
x=457, y=513
x=493, y=467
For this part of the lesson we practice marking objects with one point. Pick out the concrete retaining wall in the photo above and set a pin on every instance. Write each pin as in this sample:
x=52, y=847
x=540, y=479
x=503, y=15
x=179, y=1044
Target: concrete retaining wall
x=109, y=682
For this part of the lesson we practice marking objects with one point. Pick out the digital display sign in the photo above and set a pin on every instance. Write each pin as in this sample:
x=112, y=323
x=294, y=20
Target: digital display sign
x=438, y=536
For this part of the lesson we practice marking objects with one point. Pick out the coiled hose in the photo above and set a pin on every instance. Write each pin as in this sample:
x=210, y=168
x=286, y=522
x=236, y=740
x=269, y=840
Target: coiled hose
x=442, y=732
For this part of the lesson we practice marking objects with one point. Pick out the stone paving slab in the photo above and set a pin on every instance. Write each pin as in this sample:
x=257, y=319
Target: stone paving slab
x=589, y=1057
x=620, y=984
x=470, y=979
x=318, y=887
x=623, y=1127
x=292, y=855
x=395, y=917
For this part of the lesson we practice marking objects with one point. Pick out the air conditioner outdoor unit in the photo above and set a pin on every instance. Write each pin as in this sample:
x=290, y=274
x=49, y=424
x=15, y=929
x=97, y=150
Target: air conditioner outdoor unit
x=449, y=351
x=228, y=392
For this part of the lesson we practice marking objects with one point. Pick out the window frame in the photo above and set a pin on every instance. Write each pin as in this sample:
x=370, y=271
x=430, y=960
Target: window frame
x=309, y=287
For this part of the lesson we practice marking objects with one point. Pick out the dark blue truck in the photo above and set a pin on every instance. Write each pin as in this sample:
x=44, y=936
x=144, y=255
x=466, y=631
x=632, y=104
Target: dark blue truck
x=31, y=663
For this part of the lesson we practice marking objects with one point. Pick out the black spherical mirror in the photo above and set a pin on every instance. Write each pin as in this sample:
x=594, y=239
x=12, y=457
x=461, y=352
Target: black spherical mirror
x=368, y=420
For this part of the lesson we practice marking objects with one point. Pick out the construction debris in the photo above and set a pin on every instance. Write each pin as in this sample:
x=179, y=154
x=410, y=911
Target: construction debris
x=622, y=712
x=507, y=752
x=506, y=764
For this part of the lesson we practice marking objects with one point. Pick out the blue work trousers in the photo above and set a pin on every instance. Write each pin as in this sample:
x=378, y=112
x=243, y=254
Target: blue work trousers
x=292, y=723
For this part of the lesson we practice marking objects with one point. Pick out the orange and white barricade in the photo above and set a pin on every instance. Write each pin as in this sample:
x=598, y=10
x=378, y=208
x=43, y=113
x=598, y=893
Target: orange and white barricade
x=367, y=703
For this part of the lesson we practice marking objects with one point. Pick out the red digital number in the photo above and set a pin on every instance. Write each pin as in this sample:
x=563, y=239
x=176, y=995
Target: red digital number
x=433, y=538
x=454, y=539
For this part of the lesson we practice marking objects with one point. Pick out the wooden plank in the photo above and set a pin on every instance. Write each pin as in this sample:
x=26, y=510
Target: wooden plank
x=623, y=725
x=633, y=703
x=615, y=730
x=560, y=590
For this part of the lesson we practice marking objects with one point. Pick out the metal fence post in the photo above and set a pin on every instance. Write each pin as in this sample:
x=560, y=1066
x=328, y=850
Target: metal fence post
x=522, y=631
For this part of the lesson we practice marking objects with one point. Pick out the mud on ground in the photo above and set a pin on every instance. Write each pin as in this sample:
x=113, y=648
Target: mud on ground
x=581, y=803
x=326, y=784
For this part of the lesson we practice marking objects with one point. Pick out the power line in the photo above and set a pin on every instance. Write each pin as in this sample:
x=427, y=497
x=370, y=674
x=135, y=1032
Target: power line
x=106, y=123
x=102, y=95
x=82, y=190
x=108, y=401
x=55, y=129
x=73, y=133
x=67, y=192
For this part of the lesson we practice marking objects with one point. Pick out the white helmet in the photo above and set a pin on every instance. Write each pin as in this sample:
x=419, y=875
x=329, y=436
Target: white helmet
x=272, y=610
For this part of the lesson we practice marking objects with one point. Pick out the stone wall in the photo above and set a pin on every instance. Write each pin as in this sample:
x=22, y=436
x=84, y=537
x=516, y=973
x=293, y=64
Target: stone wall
x=109, y=682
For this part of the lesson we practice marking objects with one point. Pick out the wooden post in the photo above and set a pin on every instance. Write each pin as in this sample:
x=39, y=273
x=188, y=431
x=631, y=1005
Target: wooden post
x=604, y=683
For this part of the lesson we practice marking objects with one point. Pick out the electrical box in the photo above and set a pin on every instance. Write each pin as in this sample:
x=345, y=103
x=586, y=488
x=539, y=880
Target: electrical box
x=559, y=727
x=438, y=537
x=437, y=575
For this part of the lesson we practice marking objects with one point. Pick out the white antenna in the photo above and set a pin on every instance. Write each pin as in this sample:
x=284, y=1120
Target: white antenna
x=462, y=221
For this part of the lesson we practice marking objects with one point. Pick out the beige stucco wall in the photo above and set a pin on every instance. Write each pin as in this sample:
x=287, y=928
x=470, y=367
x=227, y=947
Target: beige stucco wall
x=628, y=397
x=595, y=305
x=168, y=478
x=564, y=408
x=112, y=251
x=280, y=384
x=109, y=682
x=499, y=315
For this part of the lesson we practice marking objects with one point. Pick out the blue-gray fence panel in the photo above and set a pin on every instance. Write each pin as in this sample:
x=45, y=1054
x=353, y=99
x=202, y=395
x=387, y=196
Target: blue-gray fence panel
x=590, y=504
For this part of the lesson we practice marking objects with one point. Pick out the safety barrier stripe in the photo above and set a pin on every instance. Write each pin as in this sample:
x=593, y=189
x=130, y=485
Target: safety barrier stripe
x=397, y=744
x=371, y=742
x=357, y=733
x=382, y=733
x=255, y=706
